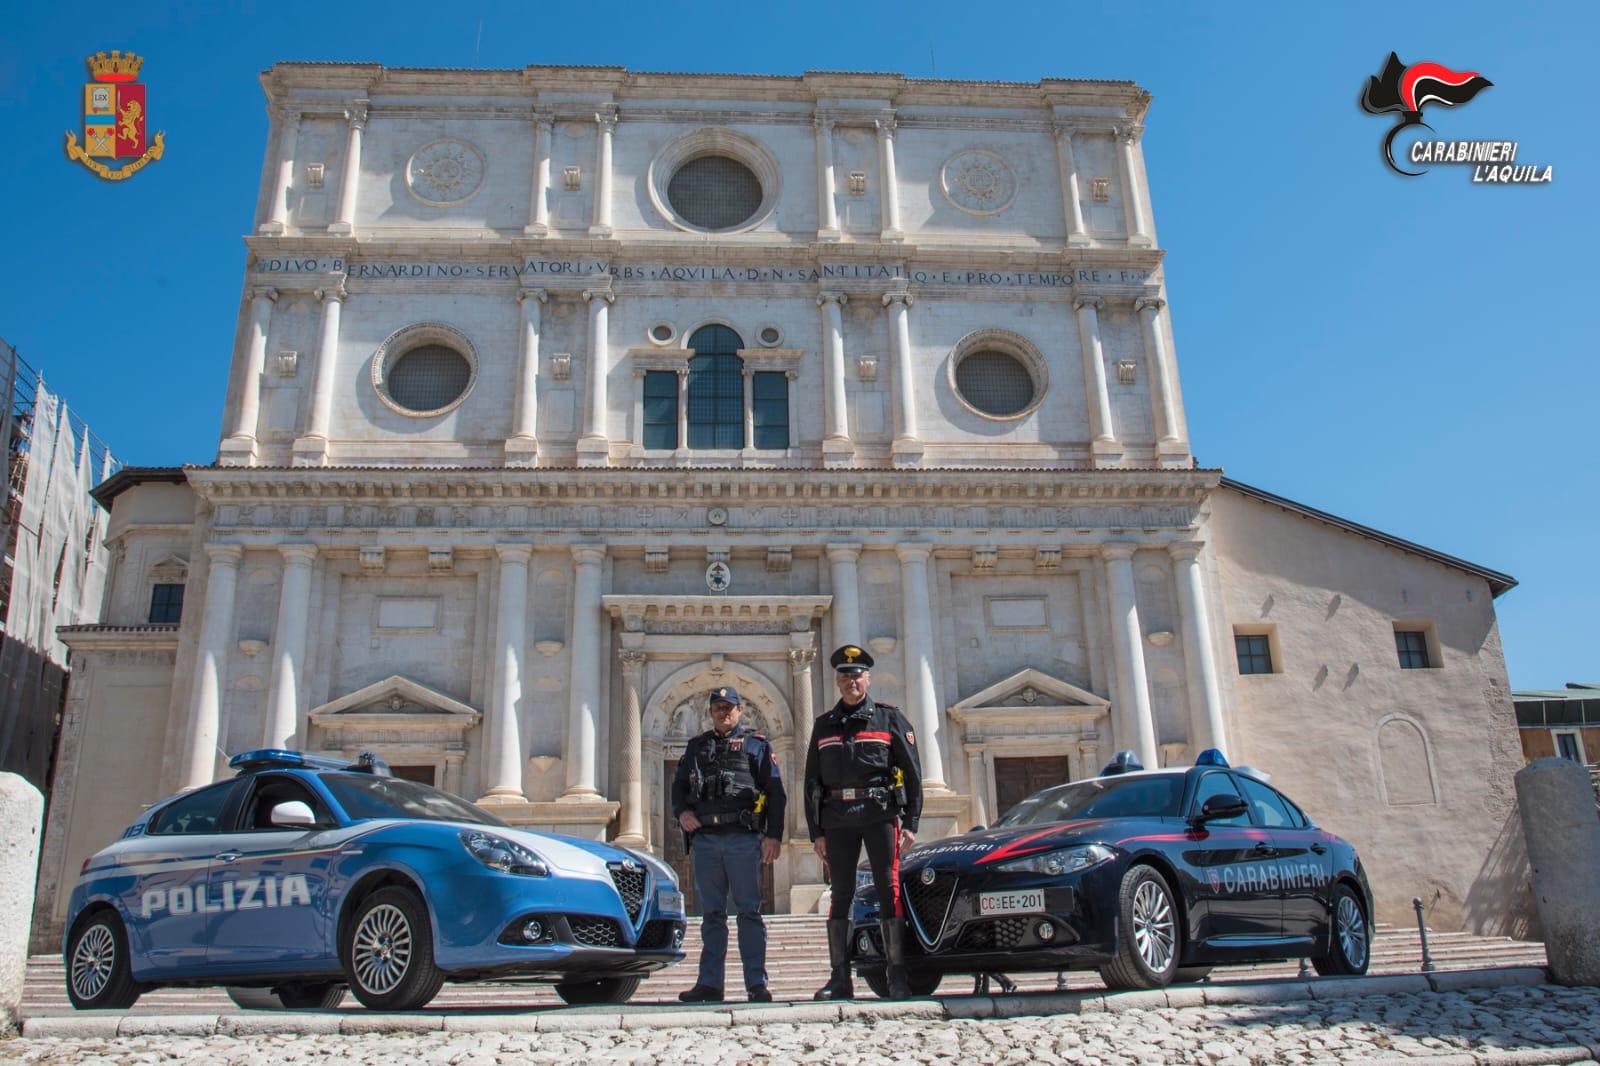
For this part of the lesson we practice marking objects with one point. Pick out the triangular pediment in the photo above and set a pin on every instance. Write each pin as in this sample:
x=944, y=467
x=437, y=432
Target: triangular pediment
x=395, y=696
x=1029, y=690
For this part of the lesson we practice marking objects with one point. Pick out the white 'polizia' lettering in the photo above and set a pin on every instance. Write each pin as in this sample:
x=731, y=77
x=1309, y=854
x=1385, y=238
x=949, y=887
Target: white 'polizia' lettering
x=243, y=894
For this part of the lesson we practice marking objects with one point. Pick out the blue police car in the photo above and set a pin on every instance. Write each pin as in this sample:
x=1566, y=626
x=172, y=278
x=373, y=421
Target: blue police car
x=303, y=875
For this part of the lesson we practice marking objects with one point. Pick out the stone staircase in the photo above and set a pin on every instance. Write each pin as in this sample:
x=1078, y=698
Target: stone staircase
x=797, y=961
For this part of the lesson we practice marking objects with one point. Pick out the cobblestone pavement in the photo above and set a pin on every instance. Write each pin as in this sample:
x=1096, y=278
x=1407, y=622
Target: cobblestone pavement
x=1519, y=1024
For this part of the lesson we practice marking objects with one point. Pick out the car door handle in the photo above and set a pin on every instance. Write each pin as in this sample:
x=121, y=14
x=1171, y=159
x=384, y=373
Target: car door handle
x=1263, y=848
x=226, y=856
x=1320, y=849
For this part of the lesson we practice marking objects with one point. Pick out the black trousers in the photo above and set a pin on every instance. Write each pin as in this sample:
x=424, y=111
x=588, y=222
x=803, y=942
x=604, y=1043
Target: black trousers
x=844, y=844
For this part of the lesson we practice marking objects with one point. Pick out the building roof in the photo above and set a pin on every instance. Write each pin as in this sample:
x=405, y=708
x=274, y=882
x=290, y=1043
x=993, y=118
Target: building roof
x=129, y=476
x=1498, y=583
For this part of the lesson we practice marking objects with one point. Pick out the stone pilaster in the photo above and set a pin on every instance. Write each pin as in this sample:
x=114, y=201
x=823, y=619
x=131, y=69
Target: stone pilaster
x=1071, y=194
x=504, y=732
x=539, y=192
x=1159, y=363
x=239, y=449
x=1205, y=691
x=922, y=703
x=632, y=792
x=311, y=449
x=289, y=646
x=287, y=119
x=1103, y=443
x=889, y=186
x=907, y=446
x=594, y=446
x=350, y=179
x=583, y=722
x=1132, y=200
x=211, y=658
x=836, y=444
x=1136, y=726
x=845, y=580
x=606, y=124
x=522, y=447
x=827, y=207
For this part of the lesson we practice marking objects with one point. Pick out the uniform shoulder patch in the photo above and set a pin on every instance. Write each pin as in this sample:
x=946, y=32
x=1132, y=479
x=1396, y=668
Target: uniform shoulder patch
x=886, y=706
x=911, y=737
x=759, y=736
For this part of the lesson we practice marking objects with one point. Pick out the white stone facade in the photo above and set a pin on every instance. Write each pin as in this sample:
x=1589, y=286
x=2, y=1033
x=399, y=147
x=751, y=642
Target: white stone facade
x=508, y=590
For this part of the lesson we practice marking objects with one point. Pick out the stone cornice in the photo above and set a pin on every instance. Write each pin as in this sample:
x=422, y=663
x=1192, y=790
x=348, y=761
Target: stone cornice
x=86, y=638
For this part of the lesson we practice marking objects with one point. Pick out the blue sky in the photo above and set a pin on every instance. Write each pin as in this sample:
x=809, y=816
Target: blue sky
x=1409, y=353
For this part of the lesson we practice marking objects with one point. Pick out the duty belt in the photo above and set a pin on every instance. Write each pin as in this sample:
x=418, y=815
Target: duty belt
x=850, y=795
x=742, y=819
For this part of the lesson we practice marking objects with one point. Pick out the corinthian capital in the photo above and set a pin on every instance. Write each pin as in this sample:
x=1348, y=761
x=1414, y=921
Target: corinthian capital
x=532, y=294
x=590, y=295
x=606, y=120
x=1063, y=130
x=832, y=298
x=356, y=113
x=633, y=659
x=1128, y=133
x=1095, y=302
x=335, y=292
x=258, y=292
x=884, y=126
x=898, y=298
x=1149, y=303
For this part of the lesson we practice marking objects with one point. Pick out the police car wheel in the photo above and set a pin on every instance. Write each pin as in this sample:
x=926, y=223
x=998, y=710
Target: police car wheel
x=1148, y=924
x=99, y=976
x=308, y=995
x=388, y=952
x=601, y=990
x=1350, y=939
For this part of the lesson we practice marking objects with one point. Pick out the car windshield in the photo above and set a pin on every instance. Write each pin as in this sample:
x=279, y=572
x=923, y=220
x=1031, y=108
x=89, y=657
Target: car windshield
x=366, y=796
x=1155, y=796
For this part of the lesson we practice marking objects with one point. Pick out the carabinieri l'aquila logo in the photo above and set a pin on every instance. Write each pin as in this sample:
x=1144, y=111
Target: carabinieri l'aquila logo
x=1409, y=89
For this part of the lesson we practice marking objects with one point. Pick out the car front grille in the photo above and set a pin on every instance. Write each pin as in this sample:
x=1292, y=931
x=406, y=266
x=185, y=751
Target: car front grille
x=630, y=886
x=995, y=934
x=659, y=935
x=596, y=932
x=929, y=903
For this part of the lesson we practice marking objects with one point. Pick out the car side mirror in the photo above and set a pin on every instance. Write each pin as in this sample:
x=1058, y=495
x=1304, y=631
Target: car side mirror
x=1221, y=806
x=977, y=829
x=293, y=814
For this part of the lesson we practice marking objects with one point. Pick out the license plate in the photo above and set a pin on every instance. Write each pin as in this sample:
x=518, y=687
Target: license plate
x=669, y=899
x=1027, y=902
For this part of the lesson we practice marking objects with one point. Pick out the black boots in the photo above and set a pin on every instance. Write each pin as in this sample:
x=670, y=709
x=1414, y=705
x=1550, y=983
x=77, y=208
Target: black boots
x=839, y=985
x=894, y=951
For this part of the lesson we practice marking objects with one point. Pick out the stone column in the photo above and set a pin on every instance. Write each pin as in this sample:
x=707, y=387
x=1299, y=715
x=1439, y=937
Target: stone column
x=631, y=833
x=836, y=422
x=606, y=122
x=240, y=447
x=846, y=586
x=1137, y=726
x=1103, y=439
x=921, y=697
x=288, y=120
x=312, y=447
x=827, y=209
x=801, y=658
x=748, y=373
x=210, y=658
x=975, y=785
x=1159, y=367
x=356, y=115
x=594, y=446
x=889, y=193
x=504, y=733
x=1199, y=653
x=522, y=447
x=1132, y=202
x=583, y=721
x=907, y=445
x=792, y=398
x=538, y=207
x=1071, y=195
x=289, y=646
x=683, y=406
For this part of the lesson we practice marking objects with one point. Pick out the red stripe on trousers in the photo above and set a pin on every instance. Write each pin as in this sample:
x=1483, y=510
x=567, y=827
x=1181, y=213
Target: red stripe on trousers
x=894, y=872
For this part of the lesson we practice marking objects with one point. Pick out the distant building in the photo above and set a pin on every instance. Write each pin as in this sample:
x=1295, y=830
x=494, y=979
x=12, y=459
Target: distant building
x=1564, y=722
x=525, y=357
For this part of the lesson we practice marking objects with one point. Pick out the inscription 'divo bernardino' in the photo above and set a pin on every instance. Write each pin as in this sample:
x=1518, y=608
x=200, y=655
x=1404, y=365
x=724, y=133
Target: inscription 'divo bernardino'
x=668, y=273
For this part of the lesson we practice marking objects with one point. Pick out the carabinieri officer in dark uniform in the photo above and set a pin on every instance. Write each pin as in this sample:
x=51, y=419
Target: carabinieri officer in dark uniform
x=728, y=797
x=863, y=788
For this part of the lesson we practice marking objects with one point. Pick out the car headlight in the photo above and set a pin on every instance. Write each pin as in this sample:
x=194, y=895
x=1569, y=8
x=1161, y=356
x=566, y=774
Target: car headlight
x=1060, y=861
x=501, y=854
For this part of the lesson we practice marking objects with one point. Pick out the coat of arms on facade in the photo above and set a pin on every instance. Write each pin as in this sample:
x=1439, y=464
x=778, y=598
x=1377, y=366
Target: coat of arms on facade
x=115, y=114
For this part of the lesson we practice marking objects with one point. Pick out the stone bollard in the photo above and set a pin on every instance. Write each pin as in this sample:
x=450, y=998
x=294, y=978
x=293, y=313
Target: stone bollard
x=21, y=813
x=1563, y=835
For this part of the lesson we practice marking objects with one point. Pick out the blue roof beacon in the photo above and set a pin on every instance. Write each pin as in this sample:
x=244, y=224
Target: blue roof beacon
x=1211, y=757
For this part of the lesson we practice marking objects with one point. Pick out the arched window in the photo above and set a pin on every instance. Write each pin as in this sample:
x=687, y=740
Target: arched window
x=716, y=389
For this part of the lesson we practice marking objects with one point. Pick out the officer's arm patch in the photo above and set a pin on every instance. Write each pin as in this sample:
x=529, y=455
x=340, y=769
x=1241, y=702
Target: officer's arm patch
x=911, y=738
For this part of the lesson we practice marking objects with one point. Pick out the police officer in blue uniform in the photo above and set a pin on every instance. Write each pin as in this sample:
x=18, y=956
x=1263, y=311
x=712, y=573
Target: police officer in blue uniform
x=728, y=797
x=863, y=789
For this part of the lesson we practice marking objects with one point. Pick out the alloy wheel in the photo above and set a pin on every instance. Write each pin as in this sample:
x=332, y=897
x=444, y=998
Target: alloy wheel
x=380, y=952
x=1352, y=932
x=92, y=961
x=1154, y=930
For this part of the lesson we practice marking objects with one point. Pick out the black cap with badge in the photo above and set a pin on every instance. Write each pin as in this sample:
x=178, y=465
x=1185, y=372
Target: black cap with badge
x=850, y=659
x=731, y=695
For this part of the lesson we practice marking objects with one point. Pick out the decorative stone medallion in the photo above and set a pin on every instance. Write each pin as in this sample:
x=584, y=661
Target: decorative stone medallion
x=444, y=172
x=979, y=182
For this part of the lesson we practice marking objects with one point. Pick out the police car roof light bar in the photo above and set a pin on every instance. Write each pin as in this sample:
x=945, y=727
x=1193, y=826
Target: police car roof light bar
x=278, y=758
x=1124, y=762
x=1211, y=757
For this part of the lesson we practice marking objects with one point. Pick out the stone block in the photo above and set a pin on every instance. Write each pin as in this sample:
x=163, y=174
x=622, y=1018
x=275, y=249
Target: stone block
x=889, y=1010
x=1563, y=837
x=1186, y=996
x=1259, y=992
x=677, y=1019
x=970, y=1007
x=491, y=1023
x=1503, y=977
x=1121, y=1002
x=167, y=1025
x=72, y=1027
x=794, y=1014
x=1384, y=985
x=367, y=1022
x=578, y=1023
x=1031, y=1006
x=272, y=1023
x=21, y=812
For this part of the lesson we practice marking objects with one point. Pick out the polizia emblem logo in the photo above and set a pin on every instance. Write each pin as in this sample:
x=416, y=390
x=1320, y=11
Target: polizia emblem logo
x=116, y=114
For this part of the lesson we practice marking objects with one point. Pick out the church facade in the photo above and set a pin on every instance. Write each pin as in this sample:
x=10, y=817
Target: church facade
x=562, y=396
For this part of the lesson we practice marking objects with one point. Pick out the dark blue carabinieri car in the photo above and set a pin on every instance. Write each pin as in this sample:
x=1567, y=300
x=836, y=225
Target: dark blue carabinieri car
x=305, y=875
x=1148, y=876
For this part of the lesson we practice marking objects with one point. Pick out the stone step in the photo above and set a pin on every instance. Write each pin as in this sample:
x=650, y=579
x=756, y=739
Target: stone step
x=797, y=964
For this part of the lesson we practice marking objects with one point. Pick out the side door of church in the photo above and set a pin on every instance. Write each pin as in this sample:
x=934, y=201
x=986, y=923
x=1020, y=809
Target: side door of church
x=675, y=853
x=1015, y=779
